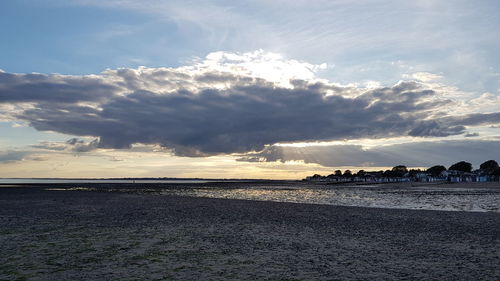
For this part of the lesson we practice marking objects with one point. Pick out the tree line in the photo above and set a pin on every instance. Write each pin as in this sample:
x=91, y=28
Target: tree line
x=489, y=167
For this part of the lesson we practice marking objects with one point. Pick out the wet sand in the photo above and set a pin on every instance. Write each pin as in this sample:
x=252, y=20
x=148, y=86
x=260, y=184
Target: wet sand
x=84, y=235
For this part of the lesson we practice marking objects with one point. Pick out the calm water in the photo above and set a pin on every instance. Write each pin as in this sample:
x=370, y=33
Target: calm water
x=450, y=197
x=425, y=198
x=20, y=181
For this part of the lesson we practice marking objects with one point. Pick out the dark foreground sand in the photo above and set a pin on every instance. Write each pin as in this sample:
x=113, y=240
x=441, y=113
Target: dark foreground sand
x=82, y=235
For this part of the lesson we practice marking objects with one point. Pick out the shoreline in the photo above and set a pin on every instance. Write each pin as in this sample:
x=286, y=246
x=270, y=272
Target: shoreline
x=94, y=236
x=469, y=197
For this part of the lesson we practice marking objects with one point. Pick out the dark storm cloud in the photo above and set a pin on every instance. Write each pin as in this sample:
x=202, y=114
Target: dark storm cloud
x=475, y=119
x=239, y=119
x=52, y=88
x=245, y=116
x=435, y=129
x=454, y=125
x=415, y=154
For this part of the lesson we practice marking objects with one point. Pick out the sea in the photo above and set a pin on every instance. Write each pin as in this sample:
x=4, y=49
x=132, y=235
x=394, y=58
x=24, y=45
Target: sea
x=468, y=197
x=49, y=180
x=428, y=197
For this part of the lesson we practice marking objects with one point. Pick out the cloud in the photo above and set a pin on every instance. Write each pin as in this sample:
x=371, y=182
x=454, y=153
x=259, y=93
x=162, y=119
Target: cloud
x=78, y=145
x=12, y=156
x=53, y=88
x=487, y=102
x=228, y=103
x=423, y=76
x=470, y=135
x=434, y=128
x=71, y=145
x=416, y=154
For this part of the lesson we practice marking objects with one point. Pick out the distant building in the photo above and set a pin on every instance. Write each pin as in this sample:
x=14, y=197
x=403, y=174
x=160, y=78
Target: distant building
x=379, y=177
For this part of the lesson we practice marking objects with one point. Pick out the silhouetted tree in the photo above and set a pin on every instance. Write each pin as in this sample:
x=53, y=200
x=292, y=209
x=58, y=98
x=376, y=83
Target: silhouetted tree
x=461, y=166
x=338, y=173
x=436, y=170
x=414, y=172
x=347, y=173
x=399, y=171
x=388, y=174
x=316, y=176
x=331, y=176
x=361, y=173
x=489, y=165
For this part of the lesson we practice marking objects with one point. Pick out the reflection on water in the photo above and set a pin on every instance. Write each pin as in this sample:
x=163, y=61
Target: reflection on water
x=472, y=198
x=426, y=198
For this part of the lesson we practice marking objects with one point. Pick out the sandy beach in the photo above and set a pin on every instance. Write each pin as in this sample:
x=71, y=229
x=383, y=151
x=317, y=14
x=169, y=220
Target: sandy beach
x=85, y=235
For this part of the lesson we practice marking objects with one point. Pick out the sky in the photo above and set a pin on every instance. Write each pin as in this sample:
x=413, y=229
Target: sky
x=246, y=89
